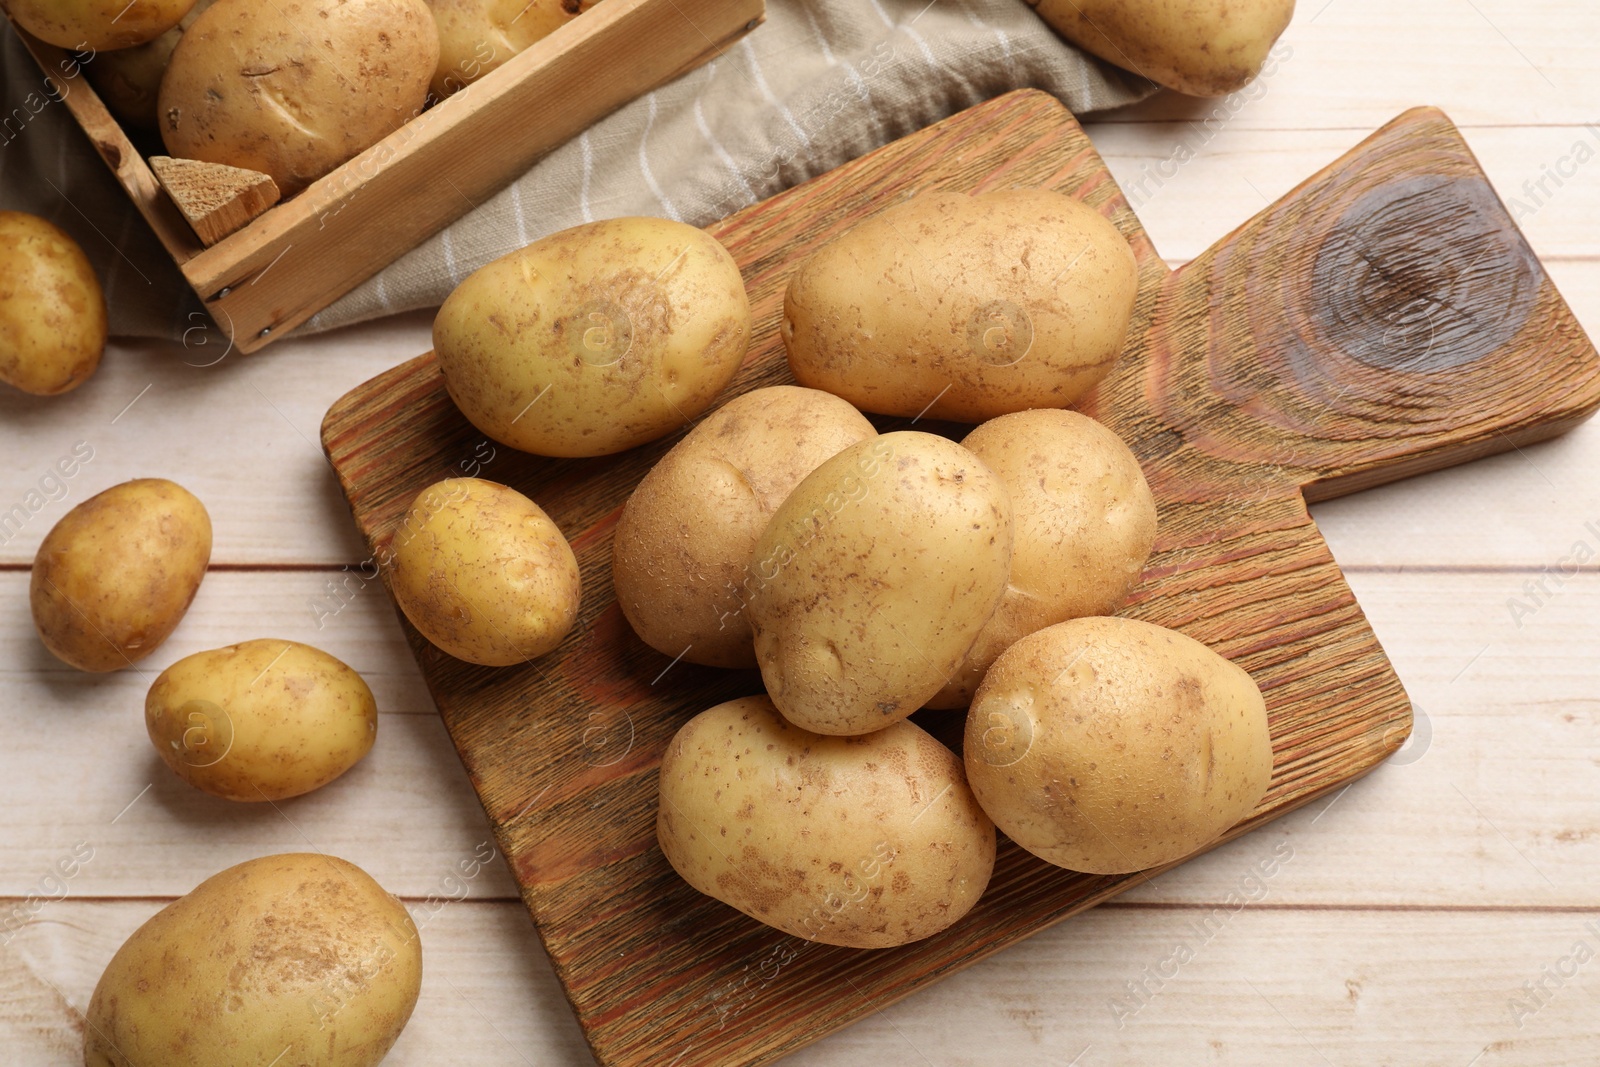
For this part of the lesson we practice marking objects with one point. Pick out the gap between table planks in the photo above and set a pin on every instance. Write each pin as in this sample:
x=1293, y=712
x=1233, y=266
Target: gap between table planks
x=1383, y=319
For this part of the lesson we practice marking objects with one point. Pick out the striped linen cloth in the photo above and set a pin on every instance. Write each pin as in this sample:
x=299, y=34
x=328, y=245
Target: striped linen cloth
x=820, y=83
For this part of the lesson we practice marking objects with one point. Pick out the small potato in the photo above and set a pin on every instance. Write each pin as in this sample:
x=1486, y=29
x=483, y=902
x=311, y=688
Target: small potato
x=484, y=574
x=1084, y=521
x=301, y=952
x=874, y=578
x=1110, y=746
x=260, y=720
x=52, y=310
x=114, y=577
x=595, y=339
x=97, y=25
x=477, y=36
x=963, y=307
x=682, y=548
x=129, y=79
x=1199, y=47
x=865, y=842
x=293, y=88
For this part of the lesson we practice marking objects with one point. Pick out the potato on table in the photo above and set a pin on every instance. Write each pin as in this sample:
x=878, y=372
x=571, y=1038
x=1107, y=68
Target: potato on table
x=1110, y=745
x=866, y=842
x=52, y=309
x=680, y=558
x=97, y=25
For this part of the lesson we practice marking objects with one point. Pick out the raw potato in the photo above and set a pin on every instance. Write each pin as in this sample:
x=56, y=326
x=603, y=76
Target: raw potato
x=114, y=577
x=963, y=307
x=484, y=574
x=1199, y=47
x=293, y=88
x=52, y=310
x=262, y=720
x=97, y=25
x=477, y=36
x=300, y=951
x=595, y=339
x=865, y=842
x=874, y=578
x=1083, y=521
x=1110, y=746
x=680, y=559
x=129, y=79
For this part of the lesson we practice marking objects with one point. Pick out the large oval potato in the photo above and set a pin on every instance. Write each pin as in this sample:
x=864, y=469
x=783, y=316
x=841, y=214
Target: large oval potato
x=477, y=36
x=484, y=574
x=97, y=25
x=680, y=558
x=963, y=307
x=866, y=842
x=261, y=720
x=301, y=952
x=874, y=578
x=1110, y=745
x=595, y=339
x=1199, y=47
x=129, y=79
x=1083, y=521
x=52, y=309
x=114, y=577
x=293, y=88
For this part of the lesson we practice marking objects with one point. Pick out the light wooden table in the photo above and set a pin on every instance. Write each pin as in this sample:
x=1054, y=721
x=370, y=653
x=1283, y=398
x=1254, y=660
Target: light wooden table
x=1414, y=914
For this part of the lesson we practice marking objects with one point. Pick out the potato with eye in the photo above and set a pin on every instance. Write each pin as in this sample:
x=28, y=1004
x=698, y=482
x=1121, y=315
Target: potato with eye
x=952, y=306
x=129, y=79
x=680, y=558
x=300, y=951
x=262, y=720
x=482, y=572
x=294, y=88
x=1083, y=521
x=478, y=36
x=874, y=578
x=52, y=309
x=865, y=842
x=114, y=577
x=595, y=339
x=97, y=25
x=1110, y=746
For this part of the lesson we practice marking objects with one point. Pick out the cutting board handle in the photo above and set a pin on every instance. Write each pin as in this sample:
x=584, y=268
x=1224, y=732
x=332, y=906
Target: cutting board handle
x=1385, y=318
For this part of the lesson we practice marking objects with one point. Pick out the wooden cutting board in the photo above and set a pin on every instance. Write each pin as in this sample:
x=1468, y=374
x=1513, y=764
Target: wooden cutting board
x=1383, y=319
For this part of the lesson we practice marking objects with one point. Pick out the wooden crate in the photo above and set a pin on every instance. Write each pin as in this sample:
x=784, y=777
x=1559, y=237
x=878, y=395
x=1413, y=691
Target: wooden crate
x=302, y=255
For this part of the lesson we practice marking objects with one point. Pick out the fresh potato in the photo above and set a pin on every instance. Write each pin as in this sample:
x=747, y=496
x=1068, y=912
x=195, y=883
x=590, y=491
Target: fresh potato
x=963, y=307
x=1110, y=745
x=682, y=548
x=484, y=574
x=1199, y=47
x=293, y=88
x=114, y=577
x=97, y=25
x=874, y=578
x=865, y=842
x=129, y=79
x=260, y=720
x=1084, y=521
x=52, y=310
x=300, y=959
x=595, y=339
x=477, y=36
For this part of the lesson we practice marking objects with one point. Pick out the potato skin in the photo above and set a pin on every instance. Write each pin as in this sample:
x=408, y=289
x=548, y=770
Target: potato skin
x=1108, y=745
x=261, y=720
x=681, y=554
x=478, y=36
x=1083, y=519
x=129, y=79
x=874, y=578
x=97, y=25
x=293, y=88
x=114, y=577
x=52, y=309
x=963, y=307
x=484, y=573
x=595, y=339
x=1198, y=47
x=865, y=842
x=301, y=951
